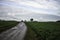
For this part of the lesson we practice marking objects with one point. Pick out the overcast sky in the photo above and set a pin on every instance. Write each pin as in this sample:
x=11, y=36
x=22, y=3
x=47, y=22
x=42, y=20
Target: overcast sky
x=41, y=10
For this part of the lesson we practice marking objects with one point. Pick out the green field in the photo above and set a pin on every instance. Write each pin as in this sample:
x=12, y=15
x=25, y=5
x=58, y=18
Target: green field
x=4, y=25
x=43, y=31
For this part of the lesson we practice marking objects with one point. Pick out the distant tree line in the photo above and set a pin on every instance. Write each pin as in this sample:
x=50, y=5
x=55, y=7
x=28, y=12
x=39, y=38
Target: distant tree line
x=58, y=21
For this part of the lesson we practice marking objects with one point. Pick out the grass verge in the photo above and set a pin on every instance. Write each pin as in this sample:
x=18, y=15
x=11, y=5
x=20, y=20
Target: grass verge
x=5, y=25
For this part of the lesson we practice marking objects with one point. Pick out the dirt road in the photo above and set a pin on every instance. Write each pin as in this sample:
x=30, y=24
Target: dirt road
x=16, y=33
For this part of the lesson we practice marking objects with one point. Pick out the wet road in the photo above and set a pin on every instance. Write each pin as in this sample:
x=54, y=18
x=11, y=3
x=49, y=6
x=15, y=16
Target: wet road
x=15, y=33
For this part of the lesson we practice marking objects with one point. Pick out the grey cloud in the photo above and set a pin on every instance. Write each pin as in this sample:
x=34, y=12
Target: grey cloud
x=57, y=0
x=38, y=16
x=4, y=10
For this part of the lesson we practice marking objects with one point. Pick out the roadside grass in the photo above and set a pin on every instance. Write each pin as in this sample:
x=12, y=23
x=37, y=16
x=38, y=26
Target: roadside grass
x=5, y=25
x=43, y=31
x=30, y=35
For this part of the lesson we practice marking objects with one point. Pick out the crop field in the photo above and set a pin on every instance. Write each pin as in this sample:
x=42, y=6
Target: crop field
x=4, y=25
x=43, y=31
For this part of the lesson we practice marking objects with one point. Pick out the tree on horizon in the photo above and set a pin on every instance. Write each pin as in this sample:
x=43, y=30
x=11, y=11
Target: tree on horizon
x=31, y=19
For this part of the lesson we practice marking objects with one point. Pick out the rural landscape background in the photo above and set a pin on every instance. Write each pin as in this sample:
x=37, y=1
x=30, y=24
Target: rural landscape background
x=31, y=19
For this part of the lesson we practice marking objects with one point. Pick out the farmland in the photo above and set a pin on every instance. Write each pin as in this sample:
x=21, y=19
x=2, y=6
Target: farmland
x=43, y=31
x=5, y=25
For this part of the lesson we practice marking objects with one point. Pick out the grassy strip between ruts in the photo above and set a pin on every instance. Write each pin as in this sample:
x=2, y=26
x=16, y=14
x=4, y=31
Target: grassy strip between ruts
x=43, y=31
x=5, y=25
